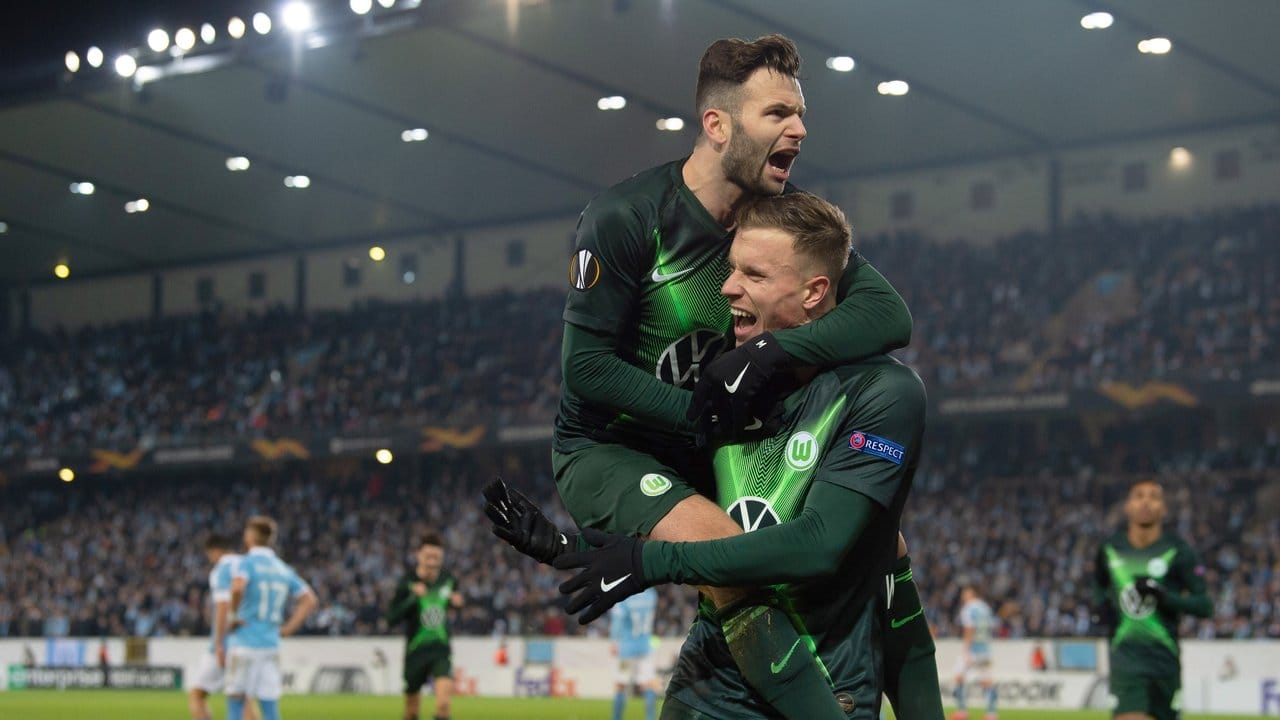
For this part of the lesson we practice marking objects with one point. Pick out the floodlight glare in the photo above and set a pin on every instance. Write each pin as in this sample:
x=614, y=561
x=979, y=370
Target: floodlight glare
x=1155, y=46
x=239, y=163
x=361, y=7
x=1096, y=21
x=893, y=87
x=208, y=34
x=235, y=28
x=94, y=56
x=73, y=61
x=840, y=63
x=185, y=39
x=126, y=66
x=262, y=23
x=297, y=17
x=670, y=124
x=61, y=271
x=158, y=40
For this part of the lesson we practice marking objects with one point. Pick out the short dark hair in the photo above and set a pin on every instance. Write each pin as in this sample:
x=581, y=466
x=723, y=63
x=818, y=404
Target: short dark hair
x=218, y=541
x=264, y=527
x=431, y=537
x=1145, y=481
x=820, y=229
x=727, y=64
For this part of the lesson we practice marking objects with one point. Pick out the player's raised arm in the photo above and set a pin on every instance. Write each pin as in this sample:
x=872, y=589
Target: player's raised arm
x=306, y=603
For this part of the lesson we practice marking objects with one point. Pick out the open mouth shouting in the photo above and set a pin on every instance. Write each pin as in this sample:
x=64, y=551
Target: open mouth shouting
x=780, y=162
x=744, y=325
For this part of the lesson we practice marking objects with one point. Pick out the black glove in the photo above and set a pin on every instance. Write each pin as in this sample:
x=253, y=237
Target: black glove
x=725, y=400
x=1148, y=587
x=611, y=572
x=519, y=522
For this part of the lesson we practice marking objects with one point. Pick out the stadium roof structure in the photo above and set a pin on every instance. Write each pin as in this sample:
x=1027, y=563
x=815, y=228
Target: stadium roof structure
x=509, y=92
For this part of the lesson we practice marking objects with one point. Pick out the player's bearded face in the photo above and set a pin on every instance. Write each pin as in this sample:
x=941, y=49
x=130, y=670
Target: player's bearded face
x=1145, y=505
x=765, y=289
x=745, y=163
x=766, y=134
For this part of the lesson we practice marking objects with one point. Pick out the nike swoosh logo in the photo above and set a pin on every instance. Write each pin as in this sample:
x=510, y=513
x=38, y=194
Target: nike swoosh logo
x=776, y=667
x=756, y=424
x=607, y=586
x=895, y=624
x=661, y=277
x=734, y=387
x=563, y=540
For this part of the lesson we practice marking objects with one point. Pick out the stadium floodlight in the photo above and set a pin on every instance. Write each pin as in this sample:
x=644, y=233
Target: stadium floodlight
x=893, y=87
x=94, y=57
x=239, y=163
x=361, y=7
x=235, y=28
x=387, y=3
x=1155, y=46
x=208, y=33
x=671, y=124
x=73, y=61
x=4, y=227
x=414, y=135
x=158, y=40
x=62, y=271
x=1180, y=158
x=384, y=456
x=184, y=39
x=300, y=182
x=137, y=206
x=409, y=277
x=126, y=66
x=377, y=254
x=82, y=188
x=840, y=63
x=1097, y=21
x=612, y=102
x=297, y=17
x=66, y=474
x=261, y=23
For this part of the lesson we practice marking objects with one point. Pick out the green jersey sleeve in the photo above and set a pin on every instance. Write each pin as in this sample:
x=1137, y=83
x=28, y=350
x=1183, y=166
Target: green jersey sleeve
x=608, y=263
x=879, y=441
x=1188, y=593
x=871, y=319
x=402, y=603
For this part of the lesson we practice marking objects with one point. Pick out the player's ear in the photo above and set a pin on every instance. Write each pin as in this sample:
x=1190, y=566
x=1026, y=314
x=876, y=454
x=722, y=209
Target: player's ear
x=815, y=291
x=716, y=125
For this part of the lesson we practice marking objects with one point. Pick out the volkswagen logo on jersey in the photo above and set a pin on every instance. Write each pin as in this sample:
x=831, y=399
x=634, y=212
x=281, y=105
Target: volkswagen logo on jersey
x=1134, y=604
x=802, y=451
x=682, y=361
x=753, y=513
x=584, y=270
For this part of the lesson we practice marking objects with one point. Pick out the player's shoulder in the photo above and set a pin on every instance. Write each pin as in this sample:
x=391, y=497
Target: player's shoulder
x=878, y=375
x=1176, y=541
x=639, y=197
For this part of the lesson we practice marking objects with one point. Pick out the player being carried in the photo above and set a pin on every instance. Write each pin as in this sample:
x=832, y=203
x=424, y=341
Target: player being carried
x=218, y=550
x=1144, y=579
x=631, y=630
x=644, y=322
x=422, y=601
x=978, y=622
x=261, y=586
x=820, y=495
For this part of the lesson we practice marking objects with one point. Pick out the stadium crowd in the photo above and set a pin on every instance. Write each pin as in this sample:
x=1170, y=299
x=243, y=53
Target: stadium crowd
x=1170, y=298
x=122, y=556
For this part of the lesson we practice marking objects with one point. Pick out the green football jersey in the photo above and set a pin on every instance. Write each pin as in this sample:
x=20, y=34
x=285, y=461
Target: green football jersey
x=426, y=617
x=647, y=270
x=859, y=427
x=1145, y=641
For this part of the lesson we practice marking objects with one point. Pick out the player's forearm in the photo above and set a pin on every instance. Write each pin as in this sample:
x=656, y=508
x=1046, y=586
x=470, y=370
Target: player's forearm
x=811, y=545
x=220, y=614
x=594, y=372
x=871, y=319
x=401, y=606
x=1195, y=603
x=306, y=604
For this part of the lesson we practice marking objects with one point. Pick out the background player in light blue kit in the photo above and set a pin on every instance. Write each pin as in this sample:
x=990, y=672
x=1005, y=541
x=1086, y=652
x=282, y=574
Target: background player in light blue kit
x=631, y=629
x=208, y=680
x=979, y=623
x=261, y=586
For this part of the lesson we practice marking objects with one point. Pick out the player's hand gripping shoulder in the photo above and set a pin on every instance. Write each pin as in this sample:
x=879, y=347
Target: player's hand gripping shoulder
x=611, y=571
x=521, y=524
x=731, y=390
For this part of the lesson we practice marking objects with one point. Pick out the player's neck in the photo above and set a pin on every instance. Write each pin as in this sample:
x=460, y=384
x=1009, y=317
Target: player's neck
x=705, y=178
x=1142, y=536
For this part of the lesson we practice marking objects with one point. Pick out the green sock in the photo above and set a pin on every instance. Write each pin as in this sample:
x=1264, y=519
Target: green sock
x=911, y=672
x=777, y=663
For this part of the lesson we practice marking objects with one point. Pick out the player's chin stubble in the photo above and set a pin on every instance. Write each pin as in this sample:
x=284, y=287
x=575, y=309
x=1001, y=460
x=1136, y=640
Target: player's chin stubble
x=744, y=161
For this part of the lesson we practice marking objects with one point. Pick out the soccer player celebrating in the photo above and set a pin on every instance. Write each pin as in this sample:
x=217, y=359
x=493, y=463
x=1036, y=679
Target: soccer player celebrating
x=978, y=623
x=644, y=321
x=422, y=601
x=631, y=630
x=820, y=497
x=261, y=586
x=217, y=548
x=1145, y=578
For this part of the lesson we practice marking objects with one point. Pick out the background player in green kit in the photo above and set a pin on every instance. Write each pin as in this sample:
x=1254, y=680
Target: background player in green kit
x=820, y=497
x=422, y=601
x=1144, y=579
x=644, y=321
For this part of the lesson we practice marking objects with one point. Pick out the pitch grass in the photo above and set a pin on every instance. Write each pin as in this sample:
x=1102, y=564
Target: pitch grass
x=162, y=705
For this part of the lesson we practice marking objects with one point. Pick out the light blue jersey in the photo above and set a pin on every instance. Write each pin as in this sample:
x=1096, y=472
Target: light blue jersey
x=631, y=624
x=269, y=584
x=977, y=614
x=220, y=590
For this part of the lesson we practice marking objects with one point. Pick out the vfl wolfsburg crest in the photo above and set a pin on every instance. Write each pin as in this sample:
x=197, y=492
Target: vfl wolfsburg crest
x=1134, y=604
x=802, y=451
x=753, y=513
x=1157, y=567
x=654, y=485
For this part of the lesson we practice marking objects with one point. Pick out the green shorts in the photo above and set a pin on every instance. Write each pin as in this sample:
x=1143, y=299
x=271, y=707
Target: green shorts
x=620, y=490
x=424, y=664
x=1159, y=697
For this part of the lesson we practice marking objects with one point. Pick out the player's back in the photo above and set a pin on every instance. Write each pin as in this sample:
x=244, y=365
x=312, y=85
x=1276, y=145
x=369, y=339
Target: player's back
x=631, y=623
x=269, y=583
x=977, y=614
